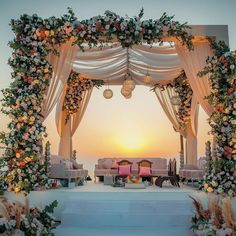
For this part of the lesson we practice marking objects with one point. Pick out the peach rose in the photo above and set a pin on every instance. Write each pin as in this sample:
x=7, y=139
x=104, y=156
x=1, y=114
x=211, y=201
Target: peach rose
x=210, y=190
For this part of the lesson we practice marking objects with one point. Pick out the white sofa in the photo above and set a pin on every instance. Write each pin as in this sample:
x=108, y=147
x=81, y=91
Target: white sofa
x=104, y=166
x=64, y=170
x=192, y=172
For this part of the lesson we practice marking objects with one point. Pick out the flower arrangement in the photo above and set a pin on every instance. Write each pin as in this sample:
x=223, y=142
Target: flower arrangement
x=34, y=39
x=135, y=179
x=16, y=219
x=222, y=75
x=76, y=85
x=217, y=219
x=47, y=156
x=183, y=89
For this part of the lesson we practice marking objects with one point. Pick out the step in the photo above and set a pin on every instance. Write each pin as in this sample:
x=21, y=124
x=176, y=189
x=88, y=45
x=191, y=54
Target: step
x=115, y=220
x=106, y=213
x=128, y=231
x=129, y=206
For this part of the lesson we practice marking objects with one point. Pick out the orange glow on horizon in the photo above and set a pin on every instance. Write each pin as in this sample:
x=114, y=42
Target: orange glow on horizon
x=131, y=144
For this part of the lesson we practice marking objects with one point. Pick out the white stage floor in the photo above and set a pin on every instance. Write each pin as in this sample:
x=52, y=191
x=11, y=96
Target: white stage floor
x=100, y=187
x=101, y=210
x=91, y=191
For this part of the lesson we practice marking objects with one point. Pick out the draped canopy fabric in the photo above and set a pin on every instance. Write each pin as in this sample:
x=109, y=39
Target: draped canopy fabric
x=62, y=65
x=112, y=63
x=189, y=132
x=67, y=129
x=164, y=62
x=193, y=62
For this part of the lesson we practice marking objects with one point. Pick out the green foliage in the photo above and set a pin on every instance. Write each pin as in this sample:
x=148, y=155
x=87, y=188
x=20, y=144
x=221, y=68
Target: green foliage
x=50, y=208
x=221, y=69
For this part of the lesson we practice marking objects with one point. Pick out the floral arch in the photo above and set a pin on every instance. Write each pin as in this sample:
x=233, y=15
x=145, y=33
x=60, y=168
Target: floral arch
x=42, y=47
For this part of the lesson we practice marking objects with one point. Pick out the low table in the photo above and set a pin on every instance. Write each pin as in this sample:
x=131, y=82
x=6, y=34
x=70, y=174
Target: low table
x=108, y=180
x=173, y=180
x=134, y=186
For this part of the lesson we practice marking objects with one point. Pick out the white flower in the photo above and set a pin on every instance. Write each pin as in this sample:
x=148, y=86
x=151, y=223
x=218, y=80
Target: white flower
x=3, y=221
x=12, y=223
x=214, y=184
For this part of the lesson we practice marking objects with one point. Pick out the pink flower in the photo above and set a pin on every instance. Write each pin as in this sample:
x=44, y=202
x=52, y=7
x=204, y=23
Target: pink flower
x=26, y=136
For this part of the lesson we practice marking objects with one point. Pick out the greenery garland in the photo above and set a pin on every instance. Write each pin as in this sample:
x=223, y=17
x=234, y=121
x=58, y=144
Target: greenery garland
x=221, y=69
x=184, y=92
x=76, y=85
x=34, y=39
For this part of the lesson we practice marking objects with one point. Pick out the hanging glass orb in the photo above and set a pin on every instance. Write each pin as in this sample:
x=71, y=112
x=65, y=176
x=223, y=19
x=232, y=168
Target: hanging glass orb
x=129, y=84
x=147, y=78
x=107, y=93
x=128, y=96
x=175, y=100
x=125, y=92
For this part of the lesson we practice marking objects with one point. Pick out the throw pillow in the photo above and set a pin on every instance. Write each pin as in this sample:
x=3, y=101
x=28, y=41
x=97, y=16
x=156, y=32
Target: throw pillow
x=124, y=170
x=107, y=164
x=144, y=171
x=76, y=165
x=114, y=164
x=68, y=164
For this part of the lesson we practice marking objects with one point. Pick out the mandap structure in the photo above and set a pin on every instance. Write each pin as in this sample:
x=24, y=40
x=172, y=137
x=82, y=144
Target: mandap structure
x=58, y=61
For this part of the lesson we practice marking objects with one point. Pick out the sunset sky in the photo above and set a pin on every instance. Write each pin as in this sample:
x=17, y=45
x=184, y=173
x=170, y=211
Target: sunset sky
x=118, y=127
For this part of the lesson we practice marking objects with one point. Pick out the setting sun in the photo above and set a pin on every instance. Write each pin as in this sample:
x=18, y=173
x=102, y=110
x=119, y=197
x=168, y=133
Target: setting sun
x=130, y=144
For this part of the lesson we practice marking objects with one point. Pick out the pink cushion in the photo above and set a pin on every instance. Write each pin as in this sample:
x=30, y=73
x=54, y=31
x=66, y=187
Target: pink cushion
x=114, y=165
x=124, y=170
x=144, y=171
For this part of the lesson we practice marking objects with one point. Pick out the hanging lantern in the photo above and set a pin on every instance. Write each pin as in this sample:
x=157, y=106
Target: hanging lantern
x=107, y=93
x=147, y=78
x=128, y=96
x=125, y=92
x=175, y=100
x=129, y=84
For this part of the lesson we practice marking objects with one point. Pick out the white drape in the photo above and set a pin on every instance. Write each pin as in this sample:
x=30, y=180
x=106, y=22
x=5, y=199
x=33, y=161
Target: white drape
x=164, y=97
x=161, y=62
x=190, y=131
x=164, y=63
x=193, y=62
x=62, y=65
x=67, y=129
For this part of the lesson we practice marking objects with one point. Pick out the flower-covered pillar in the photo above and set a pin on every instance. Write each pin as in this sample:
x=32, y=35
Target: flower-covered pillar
x=221, y=69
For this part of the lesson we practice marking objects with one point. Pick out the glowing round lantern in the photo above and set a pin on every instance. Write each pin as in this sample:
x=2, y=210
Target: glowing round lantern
x=125, y=92
x=129, y=84
x=147, y=78
x=107, y=93
x=128, y=96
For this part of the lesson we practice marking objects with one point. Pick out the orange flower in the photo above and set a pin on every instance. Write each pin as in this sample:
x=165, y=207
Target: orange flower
x=220, y=107
x=210, y=189
x=18, y=155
